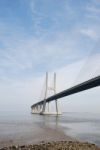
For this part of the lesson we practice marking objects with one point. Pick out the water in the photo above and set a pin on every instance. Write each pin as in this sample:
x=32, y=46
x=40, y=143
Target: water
x=24, y=126
x=83, y=126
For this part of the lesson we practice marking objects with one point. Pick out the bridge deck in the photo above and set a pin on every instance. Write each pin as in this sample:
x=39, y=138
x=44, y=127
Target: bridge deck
x=94, y=82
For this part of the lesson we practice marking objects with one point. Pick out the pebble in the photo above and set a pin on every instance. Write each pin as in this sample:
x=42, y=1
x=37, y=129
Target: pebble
x=55, y=145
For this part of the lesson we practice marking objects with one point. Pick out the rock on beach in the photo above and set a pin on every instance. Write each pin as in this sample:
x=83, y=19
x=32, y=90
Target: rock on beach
x=55, y=145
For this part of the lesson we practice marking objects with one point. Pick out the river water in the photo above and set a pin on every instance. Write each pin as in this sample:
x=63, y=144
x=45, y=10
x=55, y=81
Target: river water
x=24, y=126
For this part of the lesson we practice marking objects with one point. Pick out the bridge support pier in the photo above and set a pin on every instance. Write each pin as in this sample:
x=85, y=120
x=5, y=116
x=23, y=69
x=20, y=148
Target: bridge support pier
x=48, y=106
x=56, y=106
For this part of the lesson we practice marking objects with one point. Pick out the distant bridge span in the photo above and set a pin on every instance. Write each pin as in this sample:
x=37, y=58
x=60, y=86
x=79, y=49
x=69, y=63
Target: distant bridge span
x=94, y=82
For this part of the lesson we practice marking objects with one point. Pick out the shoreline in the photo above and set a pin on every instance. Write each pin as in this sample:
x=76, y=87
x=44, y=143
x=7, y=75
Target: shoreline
x=51, y=139
x=48, y=134
x=55, y=145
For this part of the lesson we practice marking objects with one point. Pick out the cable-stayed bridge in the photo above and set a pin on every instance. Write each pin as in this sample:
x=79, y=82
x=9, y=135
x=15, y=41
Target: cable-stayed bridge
x=88, y=77
x=40, y=106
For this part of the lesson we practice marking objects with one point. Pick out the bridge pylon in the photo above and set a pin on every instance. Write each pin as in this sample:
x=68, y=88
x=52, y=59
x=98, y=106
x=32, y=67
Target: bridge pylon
x=48, y=88
x=43, y=108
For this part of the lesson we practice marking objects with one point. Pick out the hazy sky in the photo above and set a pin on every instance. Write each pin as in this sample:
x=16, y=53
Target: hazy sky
x=48, y=35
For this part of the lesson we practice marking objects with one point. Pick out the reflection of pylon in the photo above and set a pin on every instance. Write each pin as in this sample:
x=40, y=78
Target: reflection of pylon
x=46, y=91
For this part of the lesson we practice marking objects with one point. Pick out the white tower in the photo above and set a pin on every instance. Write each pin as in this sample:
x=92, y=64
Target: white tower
x=46, y=92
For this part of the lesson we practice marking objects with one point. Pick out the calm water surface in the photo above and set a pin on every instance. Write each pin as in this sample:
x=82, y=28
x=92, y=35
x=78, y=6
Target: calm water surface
x=83, y=126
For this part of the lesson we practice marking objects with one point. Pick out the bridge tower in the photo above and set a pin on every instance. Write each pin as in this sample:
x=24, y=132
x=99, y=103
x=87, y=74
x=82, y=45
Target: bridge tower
x=49, y=88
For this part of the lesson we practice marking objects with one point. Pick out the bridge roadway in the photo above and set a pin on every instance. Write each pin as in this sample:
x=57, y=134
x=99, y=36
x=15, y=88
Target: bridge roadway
x=94, y=82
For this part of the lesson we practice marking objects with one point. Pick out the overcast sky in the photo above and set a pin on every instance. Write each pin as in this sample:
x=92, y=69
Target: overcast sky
x=60, y=36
